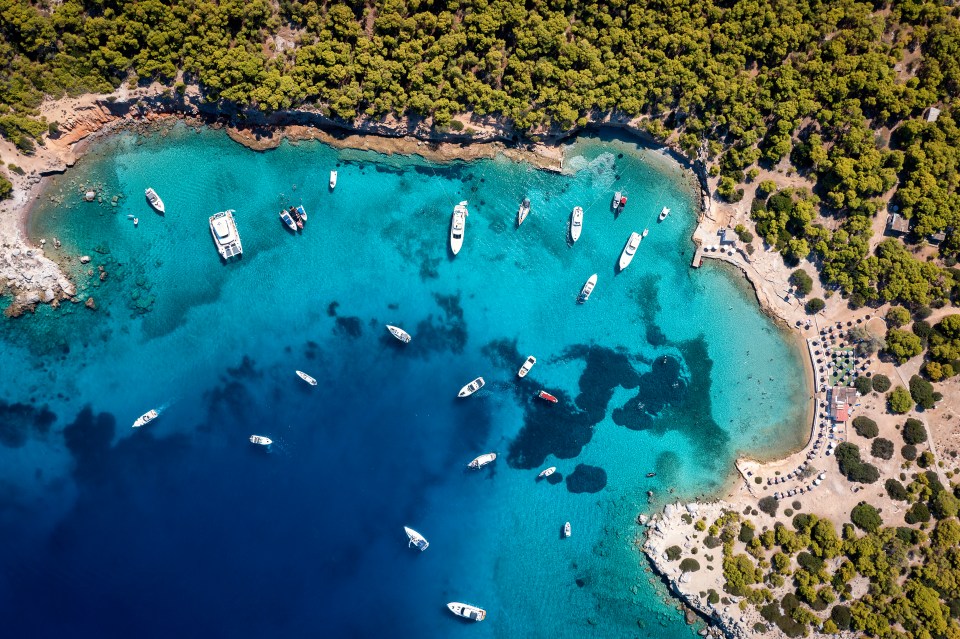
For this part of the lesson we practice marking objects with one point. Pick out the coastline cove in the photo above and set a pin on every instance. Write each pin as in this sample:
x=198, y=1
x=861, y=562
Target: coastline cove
x=658, y=372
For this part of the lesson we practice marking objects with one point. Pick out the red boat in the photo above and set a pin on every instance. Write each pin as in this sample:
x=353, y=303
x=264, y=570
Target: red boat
x=623, y=203
x=547, y=396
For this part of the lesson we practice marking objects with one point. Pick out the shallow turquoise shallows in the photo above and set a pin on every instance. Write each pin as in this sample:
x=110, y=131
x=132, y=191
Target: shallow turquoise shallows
x=183, y=526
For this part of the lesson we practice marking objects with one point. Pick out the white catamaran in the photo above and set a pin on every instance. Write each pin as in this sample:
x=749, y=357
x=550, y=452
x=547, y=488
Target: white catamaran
x=223, y=228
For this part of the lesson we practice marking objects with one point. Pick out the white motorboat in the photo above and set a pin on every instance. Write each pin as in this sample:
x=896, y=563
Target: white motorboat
x=664, y=212
x=576, y=223
x=471, y=388
x=399, y=333
x=482, y=461
x=616, y=201
x=333, y=180
x=587, y=289
x=546, y=472
x=146, y=418
x=527, y=365
x=630, y=249
x=645, y=231
x=155, y=201
x=467, y=611
x=224, y=230
x=416, y=539
x=306, y=378
x=457, y=225
x=286, y=219
x=566, y=529
x=261, y=440
x=524, y=211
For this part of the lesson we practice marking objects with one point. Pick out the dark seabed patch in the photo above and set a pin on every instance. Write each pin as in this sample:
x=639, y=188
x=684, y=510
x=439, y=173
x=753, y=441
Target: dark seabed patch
x=18, y=421
x=447, y=332
x=348, y=327
x=587, y=479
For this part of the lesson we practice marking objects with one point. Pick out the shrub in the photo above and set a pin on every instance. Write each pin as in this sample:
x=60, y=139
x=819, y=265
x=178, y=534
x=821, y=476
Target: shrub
x=6, y=187
x=899, y=401
x=865, y=517
x=689, y=565
x=882, y=448
x=897, y=316
x=713, y=597
x=769, y=505
x=810, y=563
x=789, y=603
x=673, y=553
x=926, y=459
x=863, y=385
x=881, y=383
x=852, y=467
x=922, y=392
x=711, y=542
x=914, y=432
x=922, y=313
x=841, y=616
x=895, y=490
x=918, y=514
x=902, y=345
x=909, y=452
x=945, y=505
x=746, y=532
x=922, y=329
x=865, y=427
x=802, y=281
x=814, y=306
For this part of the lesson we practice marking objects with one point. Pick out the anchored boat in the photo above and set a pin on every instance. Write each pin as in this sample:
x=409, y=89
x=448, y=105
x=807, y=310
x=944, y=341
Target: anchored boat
x=224, y=230
x=547, y=396
x=399, y=333
x=576, y=223
x=333, y=180
x=467, y=611
x=482, y=460
x=566, y=529
x=458, y=223
x=306, y=378
x=587, y=289
x=146, y=418
x=630, y=249
x=524, y=211
x=527, y=365
x=616, y=201
x=260, y=440
x=471, y=388
x=155, y=201
x=664, y=212
x=416, y=539
x=286, y=219
x=546, y=472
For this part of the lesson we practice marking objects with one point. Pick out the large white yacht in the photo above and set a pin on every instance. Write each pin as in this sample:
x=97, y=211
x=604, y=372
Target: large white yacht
x=155, y=201
x=416, y=539
x=482, y=460
x=471, y=388
x=399, y=333
x=527, y=365
x=524, y=211
x=576, y=223
x=546, y=472
x=629, y=250
x=587, y=289
x=467, y=611
x=224, y=231
x=146, y=418
x=457, y=225
x=261, y=440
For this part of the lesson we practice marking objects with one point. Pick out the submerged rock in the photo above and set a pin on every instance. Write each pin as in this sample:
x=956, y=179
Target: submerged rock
x=90, y=304
x=84, y=259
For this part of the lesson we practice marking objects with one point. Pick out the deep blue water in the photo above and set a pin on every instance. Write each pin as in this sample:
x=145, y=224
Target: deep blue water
x=183, y=527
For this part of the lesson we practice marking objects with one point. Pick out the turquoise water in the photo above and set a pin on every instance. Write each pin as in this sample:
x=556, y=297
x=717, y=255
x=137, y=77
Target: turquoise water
x=184, y=526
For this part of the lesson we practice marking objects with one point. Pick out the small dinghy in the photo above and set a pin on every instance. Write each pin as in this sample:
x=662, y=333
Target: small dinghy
x=547, y=396
x=527, y=365
x=136, y=221
x=587, y=289
x=306, y=378
x=482, y=460
x=416, y=539
x=260, y=440
x=664, y=212
x=296, y=217
x=471, y=388
x=287, y=220
x=399, y=333
x=566, y=529
x=546, y=472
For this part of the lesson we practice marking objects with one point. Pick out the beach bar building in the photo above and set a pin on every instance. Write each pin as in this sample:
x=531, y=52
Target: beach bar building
x=841, y=401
